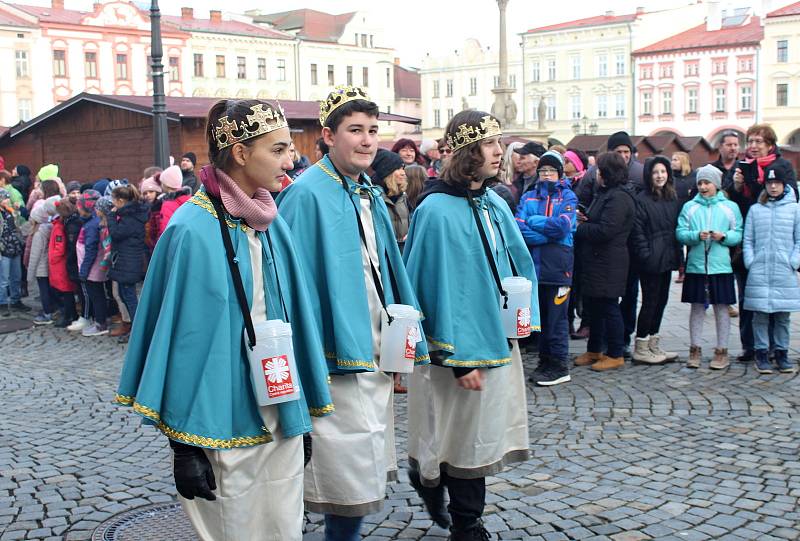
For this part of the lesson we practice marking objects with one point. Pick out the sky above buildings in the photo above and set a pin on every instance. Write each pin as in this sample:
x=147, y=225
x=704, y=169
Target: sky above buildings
x=419, y=27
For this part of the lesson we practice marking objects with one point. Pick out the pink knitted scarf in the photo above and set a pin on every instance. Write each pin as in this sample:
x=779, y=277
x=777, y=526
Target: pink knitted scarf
x=257, y=211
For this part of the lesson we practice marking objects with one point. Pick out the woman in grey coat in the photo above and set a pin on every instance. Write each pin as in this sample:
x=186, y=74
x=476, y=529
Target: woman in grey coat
x=772, y=257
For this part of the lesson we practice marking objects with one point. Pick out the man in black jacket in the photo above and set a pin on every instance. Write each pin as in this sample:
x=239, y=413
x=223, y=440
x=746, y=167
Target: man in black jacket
x=188, y=163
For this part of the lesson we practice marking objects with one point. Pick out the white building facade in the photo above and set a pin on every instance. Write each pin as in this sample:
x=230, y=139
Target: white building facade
x=779, y=73
x=18, y=36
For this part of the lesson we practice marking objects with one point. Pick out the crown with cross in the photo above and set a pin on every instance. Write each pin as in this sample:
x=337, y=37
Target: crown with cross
x=466, y=134
x=264, y=119
x=338, y=97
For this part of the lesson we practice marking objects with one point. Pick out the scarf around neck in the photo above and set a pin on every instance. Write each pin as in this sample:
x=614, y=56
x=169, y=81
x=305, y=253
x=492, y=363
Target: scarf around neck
x=258, y=211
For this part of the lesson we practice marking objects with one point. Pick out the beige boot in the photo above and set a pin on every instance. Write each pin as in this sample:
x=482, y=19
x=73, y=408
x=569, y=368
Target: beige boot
x=720, y=360
x=642, y=353
x=608, y=363
x=695, y=356
x=655, y=347
x=587, y=358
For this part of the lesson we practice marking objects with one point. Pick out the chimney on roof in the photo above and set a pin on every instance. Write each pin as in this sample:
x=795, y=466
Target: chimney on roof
x=396, y=61
x=610, y=13
x=57, y=4
x=216, y=16
x=714, y=16
x=187, y=13
x=640, y=10
x=96, y=7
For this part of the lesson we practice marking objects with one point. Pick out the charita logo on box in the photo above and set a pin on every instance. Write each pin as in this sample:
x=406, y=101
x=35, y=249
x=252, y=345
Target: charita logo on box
x=278, y=376
x=412, y=337
x=523, y=321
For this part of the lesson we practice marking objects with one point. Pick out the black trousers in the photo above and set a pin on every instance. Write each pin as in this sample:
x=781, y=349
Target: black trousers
x=554, y=338
x=655, y=294
x=467, y=499
x=97, y=296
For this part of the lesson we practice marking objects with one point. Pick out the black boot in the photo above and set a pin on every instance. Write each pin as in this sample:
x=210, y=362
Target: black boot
x=473, y=532
x=432, y=497
x=543, y=367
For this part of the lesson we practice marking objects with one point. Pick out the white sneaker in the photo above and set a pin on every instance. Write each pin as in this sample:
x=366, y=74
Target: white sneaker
x=79, y=324
x=95, y=330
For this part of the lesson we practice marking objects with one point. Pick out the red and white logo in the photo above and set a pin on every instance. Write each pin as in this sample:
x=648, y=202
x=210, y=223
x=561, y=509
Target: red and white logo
x=278, y=376
x=412, y=337
x=523, y=321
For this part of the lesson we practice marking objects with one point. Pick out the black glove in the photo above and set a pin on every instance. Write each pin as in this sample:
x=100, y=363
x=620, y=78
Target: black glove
x=306, y=449
x=193, y=473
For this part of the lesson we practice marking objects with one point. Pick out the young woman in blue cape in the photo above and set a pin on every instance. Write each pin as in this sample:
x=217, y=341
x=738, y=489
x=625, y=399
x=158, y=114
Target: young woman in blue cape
x=467, y=415
x=238, y=467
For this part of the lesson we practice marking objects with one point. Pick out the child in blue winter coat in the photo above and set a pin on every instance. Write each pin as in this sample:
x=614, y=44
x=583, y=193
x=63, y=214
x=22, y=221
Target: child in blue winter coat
x=709, y=225
x=546, y=216
x=772, y=257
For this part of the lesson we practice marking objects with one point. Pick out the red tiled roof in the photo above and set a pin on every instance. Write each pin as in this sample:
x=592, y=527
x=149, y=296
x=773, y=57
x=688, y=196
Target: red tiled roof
x=9, y=19
x=224, y=27
x=700, y=38
x=310, y=24
x=599, y=20
x=785, y=11
x=50, y=15
x=407, y=84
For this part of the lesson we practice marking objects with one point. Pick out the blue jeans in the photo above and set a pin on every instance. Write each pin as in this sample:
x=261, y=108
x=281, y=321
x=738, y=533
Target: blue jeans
x=46, y=295
x=128, y=294
x=339, y=528
x=10, y=278
x=554, y=339
x=780, y=330
x=605, y=326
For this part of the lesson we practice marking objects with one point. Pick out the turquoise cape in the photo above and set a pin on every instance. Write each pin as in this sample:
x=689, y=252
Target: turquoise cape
x=186, y=368
x=323, y=222
x=448, y=268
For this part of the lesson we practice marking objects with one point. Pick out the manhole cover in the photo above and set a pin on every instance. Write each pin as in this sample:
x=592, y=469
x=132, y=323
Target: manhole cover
x=152, y=522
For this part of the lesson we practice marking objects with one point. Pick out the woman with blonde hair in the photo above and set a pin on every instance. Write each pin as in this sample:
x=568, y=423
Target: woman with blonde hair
x=510, y=163
x=685, y=182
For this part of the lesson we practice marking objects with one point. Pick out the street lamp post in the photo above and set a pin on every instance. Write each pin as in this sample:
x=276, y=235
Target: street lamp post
x=582, y=127
x=160, y=135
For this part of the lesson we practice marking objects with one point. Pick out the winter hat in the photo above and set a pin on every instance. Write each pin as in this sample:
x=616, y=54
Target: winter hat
x=172, y=178
x=105, y=205
x=531, y=147
x=192, y=157
x=552, y=159
x=575, y=160
x=48, y=172
x=115, y=184
x=711, y=174
x=427, y=145
x=4, y=194
x=385, y=163
x=150, y=185
x=775, y=176
x=50, y=203
x=620, y=138
x=101, y=185
x=87, y=199
x=39, y=214
x=73, y=185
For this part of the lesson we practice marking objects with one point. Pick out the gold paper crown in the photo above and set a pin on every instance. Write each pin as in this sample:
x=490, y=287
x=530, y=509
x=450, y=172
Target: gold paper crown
x=340, y=95
x=263, y=120
x=466, y=134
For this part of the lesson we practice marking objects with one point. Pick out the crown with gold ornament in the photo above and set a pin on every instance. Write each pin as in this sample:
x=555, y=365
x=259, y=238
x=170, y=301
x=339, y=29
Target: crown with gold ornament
x=339, y=96
x=467, y=134
x=265, y=119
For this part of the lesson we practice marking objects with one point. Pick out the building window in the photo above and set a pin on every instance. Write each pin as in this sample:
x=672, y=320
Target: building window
x=371, y=41
x=449, y=88
x=602, y=106
x=220, y=65
x=602, y=65
x=719, y=99
x=437, y=118
x=436, y=89
x=619, y=105
x=473, y=86
x=313, y=74
x=647, y=103
x=691, y=101
x=364, y=40
x=281, y=69
x=174, y=68
x=22, y=63
x=356, y=39
x=783, y=50
x=350, y=75
x=745, y=64
x=746, y=98
x=24, y=110
x=535, y=72
x=719, y=66
x=60, y=63
x=575, y=106
x=198, y=65
x=551, y=108
x=365, y=76
x=575, y=62
x=512, y=81
x=331, y=78
x=782, y=97
x=551, y=69
x=665, y=70
x=496, y=81
x=241, y=67
x=666, y=102
x=449, y=115
x=645, y=71
x=149, y=64
x=90, y=65
x=388, y=77
x=691, y=69
x=620, y=63
x=262, y=68
x=122, y=67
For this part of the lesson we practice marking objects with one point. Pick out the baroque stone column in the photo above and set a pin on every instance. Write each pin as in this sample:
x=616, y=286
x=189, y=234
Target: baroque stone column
x=504, y=107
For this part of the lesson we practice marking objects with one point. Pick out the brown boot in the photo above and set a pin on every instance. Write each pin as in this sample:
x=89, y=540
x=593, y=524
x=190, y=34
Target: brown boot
x=695, y=356
x=585, y=359
x=608, y=363
x=720, y=360
x=120, y=330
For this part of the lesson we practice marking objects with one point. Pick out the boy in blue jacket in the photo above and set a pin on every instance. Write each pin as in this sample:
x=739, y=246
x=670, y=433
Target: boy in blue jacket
x=546, y=215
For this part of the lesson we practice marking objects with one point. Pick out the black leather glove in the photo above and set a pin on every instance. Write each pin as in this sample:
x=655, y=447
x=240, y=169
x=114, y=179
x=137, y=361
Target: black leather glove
x=193, y=473
x=306, y=449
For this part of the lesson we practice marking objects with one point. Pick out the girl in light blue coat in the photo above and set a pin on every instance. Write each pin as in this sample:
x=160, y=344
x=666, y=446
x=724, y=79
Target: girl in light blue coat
x=709, y=225
x=772, y=257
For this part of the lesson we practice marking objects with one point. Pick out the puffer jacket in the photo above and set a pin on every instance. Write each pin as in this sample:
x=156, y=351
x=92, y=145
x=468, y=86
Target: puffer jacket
x=57, y=257
x=37, y=263
x=772, y=255
x=126, y=227
x=709, y=214
x=654, y=248
x=400, y=213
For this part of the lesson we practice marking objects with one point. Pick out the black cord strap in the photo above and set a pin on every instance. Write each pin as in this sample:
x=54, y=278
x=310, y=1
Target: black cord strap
x=487, y=250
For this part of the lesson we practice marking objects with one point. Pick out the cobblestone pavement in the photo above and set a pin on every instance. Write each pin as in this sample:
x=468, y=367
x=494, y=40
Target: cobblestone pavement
x=639, y=453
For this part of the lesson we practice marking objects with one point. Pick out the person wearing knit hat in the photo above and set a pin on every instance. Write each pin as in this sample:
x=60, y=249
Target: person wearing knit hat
x=188, y=163
x=73, y=188
x=12, y=249
x=105, y=205
x=116, y=183
x=150, y=189
x=48, y=172
x=88, y=199
x=38, y=269
x=528, y=160
x=91, y=273
x=709, y=225
x=5, y=194
x=101, y=185
x=171, y=179
x=175, y=195
x=546, y=217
